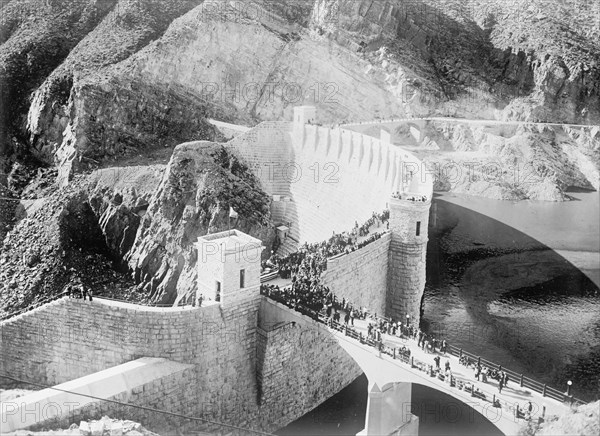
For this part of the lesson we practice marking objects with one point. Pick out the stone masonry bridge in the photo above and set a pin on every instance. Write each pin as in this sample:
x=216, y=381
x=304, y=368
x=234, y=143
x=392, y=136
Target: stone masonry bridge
x=391, y=376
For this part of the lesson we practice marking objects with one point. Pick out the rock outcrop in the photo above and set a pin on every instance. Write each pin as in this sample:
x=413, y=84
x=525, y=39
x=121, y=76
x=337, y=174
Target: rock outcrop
x=129, y=232
x=146, y=74
x=506, y=162
x=36, y=36
x=97, y=85
x=201, y=182
x=58, y=244
x=583, y=419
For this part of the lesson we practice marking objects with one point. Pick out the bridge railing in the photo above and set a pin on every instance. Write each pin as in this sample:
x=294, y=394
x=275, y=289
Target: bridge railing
x=526, y=382
x=405, y=357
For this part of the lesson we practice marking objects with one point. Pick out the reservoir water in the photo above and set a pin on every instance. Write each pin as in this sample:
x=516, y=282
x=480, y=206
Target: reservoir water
x=518, y=283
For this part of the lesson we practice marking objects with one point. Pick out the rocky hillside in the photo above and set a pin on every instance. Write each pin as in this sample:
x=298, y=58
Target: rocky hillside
x=511, y=162
x=89, y=86
x=128, y=232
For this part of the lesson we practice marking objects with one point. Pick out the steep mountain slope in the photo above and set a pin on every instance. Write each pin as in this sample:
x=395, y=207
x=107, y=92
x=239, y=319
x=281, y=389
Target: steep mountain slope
x=90, y=85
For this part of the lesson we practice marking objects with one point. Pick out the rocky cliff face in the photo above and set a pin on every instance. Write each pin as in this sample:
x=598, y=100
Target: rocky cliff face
x=201, y=182
x=92, y=85
x=129, y=232
x=512, y=162
x=354, y=60
x=36, y=36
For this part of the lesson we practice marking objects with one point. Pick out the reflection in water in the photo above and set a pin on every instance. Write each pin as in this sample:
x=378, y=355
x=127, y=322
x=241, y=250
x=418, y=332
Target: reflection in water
x=498, y=292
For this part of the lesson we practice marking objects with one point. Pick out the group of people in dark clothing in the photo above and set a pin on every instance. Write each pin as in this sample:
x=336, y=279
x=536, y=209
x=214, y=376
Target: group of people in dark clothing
x=77, y=290
x=306, y=265
x=483, y=373
x=309, y=296
x=316, y=254
x=374, y=220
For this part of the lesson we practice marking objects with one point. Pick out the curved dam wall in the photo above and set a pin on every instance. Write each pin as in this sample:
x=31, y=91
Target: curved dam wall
x=325, y=179
x=236, y=373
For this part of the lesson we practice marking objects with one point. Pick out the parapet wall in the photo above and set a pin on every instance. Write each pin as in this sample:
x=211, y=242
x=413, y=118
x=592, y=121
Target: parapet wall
x=361, y=276
x=71, y=338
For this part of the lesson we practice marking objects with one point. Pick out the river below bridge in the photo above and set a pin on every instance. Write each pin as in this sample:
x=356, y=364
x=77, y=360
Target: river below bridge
x=516, y=282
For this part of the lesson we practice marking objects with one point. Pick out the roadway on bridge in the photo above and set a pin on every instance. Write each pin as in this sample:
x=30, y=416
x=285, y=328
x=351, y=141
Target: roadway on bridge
x=382, y=369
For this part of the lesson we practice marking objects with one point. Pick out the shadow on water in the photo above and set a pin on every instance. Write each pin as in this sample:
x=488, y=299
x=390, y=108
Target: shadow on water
x=500, y=293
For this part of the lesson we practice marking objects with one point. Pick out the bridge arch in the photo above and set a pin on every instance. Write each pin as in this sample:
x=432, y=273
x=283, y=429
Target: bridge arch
x=408, y=133
x=400, y=132
x=409, y=407
x=390, y=386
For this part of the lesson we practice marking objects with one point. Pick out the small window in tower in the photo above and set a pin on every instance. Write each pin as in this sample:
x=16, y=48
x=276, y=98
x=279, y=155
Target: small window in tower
x=218, y=291
x=242, y=277
x=418, y=228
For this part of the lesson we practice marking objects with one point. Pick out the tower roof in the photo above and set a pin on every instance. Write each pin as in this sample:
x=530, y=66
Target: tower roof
x=232, y=241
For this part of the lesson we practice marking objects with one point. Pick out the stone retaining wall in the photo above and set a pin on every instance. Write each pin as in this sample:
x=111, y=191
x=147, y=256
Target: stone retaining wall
x=361, y=276
x=301, y=366
x=71, y=338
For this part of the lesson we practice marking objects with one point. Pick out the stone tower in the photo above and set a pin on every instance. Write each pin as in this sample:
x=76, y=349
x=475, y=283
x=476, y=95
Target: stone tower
x=409, y=218
x=228, y=267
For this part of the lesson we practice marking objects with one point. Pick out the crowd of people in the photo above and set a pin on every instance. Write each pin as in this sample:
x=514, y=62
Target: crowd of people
x=311, y=259
x=374, y=220
x=305, y=266
x=411, y=197
x=483, y=373
x=341, y=316
x=77, y=290
x=307, y=295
